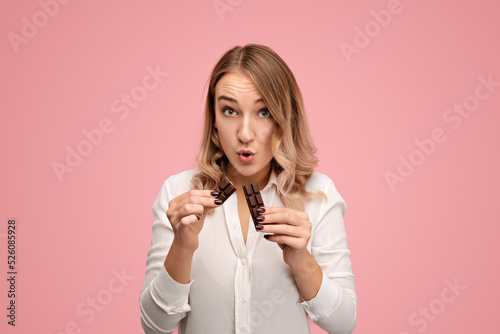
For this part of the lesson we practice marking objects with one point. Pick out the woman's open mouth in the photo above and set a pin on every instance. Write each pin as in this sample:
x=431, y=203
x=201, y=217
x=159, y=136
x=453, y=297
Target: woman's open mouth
x=246, y=157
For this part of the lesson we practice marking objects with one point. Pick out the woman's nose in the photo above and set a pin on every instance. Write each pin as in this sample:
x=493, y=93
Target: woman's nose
x=246, y=131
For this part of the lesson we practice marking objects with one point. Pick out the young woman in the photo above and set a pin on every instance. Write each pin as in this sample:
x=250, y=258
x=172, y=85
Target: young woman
x=210, y=269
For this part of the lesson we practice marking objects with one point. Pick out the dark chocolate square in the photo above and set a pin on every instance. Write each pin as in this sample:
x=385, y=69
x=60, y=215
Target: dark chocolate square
x=254, y=200
x=226, y=189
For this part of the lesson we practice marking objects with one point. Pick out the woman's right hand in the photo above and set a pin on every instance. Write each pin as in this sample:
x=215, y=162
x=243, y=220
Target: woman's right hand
x=186, y=214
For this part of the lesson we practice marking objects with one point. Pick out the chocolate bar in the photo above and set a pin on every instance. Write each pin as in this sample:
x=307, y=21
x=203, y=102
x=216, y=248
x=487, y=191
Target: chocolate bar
x=225, y=190
x=254, y=200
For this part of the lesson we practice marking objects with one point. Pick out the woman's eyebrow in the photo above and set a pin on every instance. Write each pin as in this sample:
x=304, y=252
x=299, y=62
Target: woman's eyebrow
x=230, y=99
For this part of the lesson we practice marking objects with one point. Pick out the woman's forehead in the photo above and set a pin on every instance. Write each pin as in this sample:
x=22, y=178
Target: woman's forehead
x=236, y=84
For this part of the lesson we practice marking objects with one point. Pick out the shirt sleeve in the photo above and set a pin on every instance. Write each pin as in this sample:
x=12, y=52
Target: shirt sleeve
x=163, y=301
x=334, y=306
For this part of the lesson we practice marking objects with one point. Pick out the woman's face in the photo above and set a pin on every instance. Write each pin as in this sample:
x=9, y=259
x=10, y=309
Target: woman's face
x=244, y=124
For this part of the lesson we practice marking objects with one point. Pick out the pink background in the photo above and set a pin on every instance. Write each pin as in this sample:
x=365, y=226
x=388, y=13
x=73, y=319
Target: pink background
x=365, y=111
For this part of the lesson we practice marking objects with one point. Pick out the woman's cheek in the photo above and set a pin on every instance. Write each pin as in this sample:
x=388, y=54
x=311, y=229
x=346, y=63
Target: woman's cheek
x=268, y=133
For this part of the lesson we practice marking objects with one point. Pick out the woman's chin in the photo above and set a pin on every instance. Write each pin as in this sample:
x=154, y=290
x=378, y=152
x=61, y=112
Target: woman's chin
x=245, y=170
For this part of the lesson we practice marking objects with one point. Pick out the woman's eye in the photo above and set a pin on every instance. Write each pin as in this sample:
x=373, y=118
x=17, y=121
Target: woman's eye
x=228, y=111
x=265, y=113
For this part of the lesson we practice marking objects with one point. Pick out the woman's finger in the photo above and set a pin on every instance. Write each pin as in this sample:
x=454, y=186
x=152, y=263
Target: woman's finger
x=206, y=201
x=285, y=229
x=291, y=217
x=195, y=193
x=189, y=209
x=293, y=242
x=188, y=220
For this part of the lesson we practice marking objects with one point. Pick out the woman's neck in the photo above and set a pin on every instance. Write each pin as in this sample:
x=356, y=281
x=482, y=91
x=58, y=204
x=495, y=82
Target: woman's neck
x=238, y=180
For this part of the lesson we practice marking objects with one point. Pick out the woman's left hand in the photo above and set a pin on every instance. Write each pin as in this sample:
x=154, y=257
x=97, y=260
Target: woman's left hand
x=291, y=230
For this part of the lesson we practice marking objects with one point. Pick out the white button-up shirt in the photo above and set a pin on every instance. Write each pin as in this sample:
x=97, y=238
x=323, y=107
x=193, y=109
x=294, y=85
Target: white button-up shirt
x=247, y=288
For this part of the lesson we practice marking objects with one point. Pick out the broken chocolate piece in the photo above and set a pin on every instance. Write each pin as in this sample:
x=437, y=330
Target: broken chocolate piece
x=254, y=200
x=225, y=190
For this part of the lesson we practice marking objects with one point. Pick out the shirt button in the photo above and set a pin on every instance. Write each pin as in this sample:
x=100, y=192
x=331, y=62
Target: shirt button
x=242, y=299
x=243, y=261
x=234, y=227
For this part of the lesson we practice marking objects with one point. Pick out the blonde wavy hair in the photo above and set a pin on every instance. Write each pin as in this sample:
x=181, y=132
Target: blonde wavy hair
x=292, y=146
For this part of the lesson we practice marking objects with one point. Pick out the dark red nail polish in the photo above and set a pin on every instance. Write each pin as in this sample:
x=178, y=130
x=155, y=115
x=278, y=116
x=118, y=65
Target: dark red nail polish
x=260, y=219
x=266, y=236
x=259, y=227
x=218, y=201
x=261, y=210
x=215, y=193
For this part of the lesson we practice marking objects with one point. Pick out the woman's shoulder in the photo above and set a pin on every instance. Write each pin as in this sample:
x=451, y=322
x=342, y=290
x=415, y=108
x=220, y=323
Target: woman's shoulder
x=318, y=181
x=180, y=182
x=322, y=182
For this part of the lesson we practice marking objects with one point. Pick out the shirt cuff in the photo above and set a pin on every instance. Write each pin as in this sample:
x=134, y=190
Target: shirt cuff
x=325, y=301
x=173, y=295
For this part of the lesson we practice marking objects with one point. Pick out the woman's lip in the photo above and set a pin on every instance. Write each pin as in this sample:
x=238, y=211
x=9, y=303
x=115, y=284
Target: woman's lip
x=248, y=158
x=245, y=151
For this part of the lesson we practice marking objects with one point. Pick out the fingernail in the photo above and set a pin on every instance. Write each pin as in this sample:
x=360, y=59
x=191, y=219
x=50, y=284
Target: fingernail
x=259, y=227
x=260, y=219
x=218, y=201
x=261, y=210
x=215, y=193
x=266, y=236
